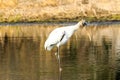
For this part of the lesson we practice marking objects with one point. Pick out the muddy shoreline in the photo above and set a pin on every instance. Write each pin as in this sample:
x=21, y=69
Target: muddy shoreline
x=61, y=23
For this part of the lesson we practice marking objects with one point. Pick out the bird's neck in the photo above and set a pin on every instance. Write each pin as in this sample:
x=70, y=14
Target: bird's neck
x=75, y=27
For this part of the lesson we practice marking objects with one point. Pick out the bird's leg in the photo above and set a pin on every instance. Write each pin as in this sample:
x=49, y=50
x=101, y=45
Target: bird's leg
x=58, y=56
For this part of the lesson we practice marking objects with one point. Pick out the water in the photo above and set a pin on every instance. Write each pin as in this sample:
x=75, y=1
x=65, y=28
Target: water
x=91, y=54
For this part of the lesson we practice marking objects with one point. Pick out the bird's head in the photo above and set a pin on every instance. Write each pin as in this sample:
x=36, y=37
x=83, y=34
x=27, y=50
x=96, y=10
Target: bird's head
x=82, y=23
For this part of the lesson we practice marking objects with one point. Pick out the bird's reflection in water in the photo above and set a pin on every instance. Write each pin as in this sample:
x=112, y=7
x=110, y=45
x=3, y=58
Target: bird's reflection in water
x=60, y=75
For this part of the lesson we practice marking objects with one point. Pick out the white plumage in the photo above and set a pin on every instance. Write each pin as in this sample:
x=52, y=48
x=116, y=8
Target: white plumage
x=60, y=36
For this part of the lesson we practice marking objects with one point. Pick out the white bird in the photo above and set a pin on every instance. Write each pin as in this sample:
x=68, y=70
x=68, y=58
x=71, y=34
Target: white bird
x=60, y=36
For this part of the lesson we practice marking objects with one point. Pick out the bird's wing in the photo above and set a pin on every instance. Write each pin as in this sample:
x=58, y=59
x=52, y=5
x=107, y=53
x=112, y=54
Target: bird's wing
x=56, y=36
x=62, y=36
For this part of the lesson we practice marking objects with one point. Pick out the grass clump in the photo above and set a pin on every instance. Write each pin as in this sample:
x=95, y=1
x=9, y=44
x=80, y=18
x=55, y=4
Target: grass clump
x=56, y=10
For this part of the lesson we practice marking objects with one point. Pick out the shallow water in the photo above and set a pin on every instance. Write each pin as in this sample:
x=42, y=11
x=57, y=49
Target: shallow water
x=92, y=53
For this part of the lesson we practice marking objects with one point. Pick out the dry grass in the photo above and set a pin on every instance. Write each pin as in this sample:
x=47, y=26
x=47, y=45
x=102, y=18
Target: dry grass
x=52, y=10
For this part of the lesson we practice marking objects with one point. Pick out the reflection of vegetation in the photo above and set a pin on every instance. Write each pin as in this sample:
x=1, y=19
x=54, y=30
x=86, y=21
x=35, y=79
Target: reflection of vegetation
x=32, y=30
x=22, y=45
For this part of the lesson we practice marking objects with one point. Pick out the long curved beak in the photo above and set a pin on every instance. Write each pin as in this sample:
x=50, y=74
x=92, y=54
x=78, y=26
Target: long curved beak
x=85, y=24
x=84, y=28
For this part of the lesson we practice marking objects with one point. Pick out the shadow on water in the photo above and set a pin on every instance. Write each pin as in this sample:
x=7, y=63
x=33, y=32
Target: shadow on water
x=22, y=54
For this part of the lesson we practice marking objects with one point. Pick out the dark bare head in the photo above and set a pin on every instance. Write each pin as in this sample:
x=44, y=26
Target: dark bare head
x=82, y=23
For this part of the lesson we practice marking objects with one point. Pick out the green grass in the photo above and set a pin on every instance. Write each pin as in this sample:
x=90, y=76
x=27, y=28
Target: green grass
x=19, y=18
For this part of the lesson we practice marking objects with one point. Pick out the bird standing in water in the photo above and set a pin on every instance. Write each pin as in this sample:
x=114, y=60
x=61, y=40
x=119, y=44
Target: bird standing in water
x=60, y=36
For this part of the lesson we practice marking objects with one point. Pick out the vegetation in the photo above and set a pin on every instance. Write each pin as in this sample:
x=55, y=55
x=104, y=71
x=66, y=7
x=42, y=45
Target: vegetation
x=58, y=10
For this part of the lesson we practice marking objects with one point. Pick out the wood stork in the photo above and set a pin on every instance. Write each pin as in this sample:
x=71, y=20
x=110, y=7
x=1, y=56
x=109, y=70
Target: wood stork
x=60, y=36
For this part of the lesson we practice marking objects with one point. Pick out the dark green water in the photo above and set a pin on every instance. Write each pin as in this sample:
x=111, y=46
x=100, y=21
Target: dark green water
x=24, y=58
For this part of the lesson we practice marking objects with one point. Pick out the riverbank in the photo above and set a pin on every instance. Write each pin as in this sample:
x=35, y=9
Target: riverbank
x=58, y=11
